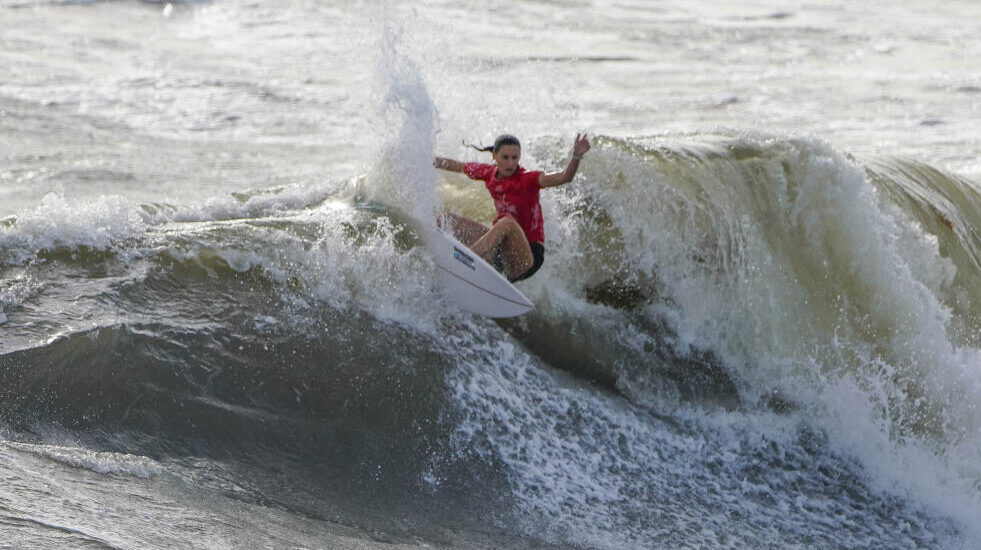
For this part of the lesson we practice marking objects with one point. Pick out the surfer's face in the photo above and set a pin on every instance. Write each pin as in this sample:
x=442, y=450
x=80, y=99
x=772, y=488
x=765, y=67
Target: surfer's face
x=507, y=158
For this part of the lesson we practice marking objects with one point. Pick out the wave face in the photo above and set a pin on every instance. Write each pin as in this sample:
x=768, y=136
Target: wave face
x=739, y=330
x=787, y=278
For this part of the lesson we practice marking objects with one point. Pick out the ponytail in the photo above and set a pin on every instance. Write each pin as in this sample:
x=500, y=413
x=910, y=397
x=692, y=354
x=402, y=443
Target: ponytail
x=489, y=149
x=501, y=141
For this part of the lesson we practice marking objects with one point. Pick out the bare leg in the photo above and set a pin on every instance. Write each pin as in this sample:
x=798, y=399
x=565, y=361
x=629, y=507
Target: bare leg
x=514, y=246
x=464, y=229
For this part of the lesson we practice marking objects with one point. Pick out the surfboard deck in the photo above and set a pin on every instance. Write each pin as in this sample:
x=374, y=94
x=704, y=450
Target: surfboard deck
x=473, y=283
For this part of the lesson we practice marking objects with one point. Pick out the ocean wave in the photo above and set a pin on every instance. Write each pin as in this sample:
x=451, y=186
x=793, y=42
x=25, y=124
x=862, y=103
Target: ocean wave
x=755, y=274
x=837, y=285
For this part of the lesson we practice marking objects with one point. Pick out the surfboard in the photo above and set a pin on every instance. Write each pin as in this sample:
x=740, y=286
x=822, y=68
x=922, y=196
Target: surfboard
x=473, y=283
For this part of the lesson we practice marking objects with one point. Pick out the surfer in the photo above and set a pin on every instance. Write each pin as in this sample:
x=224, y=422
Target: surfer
x=514, y=244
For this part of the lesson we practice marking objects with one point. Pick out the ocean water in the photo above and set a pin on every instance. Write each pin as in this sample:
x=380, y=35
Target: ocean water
x=756, y=326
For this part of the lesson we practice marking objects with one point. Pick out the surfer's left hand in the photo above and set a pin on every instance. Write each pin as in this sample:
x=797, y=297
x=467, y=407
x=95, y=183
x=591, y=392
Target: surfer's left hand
x=581, y=145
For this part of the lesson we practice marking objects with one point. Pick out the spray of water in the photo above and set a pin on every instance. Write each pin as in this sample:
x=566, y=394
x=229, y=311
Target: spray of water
x=402, y=174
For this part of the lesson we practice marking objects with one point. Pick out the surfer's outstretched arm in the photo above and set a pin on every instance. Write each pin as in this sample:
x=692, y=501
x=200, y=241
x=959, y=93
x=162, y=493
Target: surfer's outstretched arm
x=560, y=178
x=448, y=164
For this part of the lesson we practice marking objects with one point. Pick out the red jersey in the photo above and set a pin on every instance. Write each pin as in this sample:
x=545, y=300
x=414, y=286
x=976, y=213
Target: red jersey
x=516, y=196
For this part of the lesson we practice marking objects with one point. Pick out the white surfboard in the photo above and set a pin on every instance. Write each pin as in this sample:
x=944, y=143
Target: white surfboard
x=474, y=284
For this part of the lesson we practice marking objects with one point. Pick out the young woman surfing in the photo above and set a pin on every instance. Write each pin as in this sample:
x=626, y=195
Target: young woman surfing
x=515, y=242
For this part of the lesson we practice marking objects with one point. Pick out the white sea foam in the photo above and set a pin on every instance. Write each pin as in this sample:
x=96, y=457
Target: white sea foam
x=795, y=273
x=56, y=222
x=98, y=462
x=580, y=461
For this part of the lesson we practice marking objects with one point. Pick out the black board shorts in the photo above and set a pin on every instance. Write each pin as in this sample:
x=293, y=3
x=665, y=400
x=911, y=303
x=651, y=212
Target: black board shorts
x=538, y=256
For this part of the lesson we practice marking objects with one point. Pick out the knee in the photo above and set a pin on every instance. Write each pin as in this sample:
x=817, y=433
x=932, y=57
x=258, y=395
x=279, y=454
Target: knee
x=510, y=222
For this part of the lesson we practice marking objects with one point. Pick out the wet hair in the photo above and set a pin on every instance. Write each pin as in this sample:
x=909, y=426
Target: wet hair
x=501, y=141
